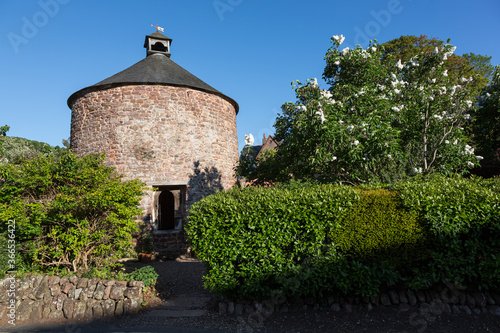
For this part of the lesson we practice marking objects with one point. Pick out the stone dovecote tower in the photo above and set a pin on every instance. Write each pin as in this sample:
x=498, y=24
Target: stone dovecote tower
x=159, y=123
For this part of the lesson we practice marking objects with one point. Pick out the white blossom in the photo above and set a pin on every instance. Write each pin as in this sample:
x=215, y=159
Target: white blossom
x=321, y=115
x=436, y=50
x=446, y=141
x=479, y=158
x=337, y=63
x=326, y=94
x=334, y=158
x=356, y=142
x=302, y=108
x=468, y=150
x=339, y=39
x=399, y=64
x=374, y=49
x=314, y=82
x=417, y=170
x=470, y=164
x=341, y=121
x=249, y=140
x=345, y=51
x=438, y=117
x=445, y=73
x=389, y=156
x=469, y=103
x=350, y=128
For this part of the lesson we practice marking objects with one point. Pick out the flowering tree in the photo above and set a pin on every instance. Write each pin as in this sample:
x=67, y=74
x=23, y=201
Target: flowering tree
x=381, y=119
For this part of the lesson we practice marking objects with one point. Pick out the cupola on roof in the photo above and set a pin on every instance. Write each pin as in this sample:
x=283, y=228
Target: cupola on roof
x=156, y=68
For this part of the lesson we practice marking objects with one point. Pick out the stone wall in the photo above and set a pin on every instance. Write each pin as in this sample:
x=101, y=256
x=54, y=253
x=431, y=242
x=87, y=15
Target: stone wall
x=50, y=297
x=447, y=299
x=160, y=134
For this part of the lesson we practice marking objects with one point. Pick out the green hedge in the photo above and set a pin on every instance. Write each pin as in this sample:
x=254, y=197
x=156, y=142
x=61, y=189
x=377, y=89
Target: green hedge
x=318, y=240
x=379, y=229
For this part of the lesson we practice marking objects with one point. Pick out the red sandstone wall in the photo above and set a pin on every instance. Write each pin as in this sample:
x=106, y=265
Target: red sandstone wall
x=157, y=133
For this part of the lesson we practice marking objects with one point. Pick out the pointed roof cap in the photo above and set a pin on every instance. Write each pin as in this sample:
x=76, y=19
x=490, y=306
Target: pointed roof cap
x=155, y=69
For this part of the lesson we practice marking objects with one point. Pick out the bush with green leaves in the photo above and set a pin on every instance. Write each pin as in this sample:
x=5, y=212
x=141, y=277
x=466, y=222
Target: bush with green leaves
x=323, y=239
x=463, y=216
x=379, y=229
x=70, y=212
x=146, y=274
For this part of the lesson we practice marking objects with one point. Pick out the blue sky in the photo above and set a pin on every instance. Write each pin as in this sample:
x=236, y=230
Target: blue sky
x=250, y=50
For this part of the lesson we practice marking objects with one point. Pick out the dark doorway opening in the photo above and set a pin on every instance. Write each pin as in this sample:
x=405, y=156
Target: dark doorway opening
x=166, y=211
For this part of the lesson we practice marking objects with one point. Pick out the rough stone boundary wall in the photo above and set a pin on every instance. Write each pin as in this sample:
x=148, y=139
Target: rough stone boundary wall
x=437, y=301
x=50, y=297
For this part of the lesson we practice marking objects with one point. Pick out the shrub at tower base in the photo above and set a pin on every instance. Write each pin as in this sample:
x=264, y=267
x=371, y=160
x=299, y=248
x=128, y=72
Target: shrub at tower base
x=70, y=212
x=259, y=243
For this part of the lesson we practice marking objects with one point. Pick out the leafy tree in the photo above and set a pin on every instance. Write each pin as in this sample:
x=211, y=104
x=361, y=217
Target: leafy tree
x=383, y=118
x=3, y=133
x=486, y=120
x=70, y=212
x=3, y=130
x=17, y=149
x=262, y=170
x=468, y=65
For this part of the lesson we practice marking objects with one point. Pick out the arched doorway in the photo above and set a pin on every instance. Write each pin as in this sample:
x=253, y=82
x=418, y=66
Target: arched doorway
x=166, y=211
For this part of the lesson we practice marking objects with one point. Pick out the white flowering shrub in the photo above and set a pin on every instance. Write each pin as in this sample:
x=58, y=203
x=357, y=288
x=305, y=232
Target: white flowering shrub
x=380, y=120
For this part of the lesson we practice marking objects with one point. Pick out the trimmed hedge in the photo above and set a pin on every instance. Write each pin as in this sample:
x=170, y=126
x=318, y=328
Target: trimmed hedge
x=319, y=240
x=379, y=229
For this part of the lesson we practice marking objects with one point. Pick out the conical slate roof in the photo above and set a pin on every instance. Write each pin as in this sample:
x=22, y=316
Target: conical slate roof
x=154, y=69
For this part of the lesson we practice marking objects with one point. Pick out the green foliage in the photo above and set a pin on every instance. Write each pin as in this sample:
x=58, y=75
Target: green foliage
x=4, y=129
x=250, y=237
x=263, y=170
x=321, y=239
x=379, y=229
x=486, y=121
x=6, y=255
x=146, y=274
x=391, y=111
x=469, y=64
x=14, y=150
x=464, y=217
x=71, y=212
